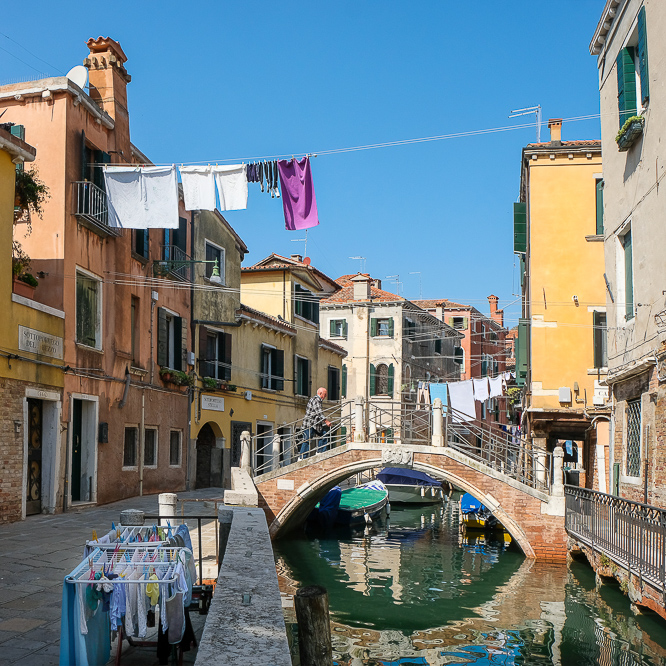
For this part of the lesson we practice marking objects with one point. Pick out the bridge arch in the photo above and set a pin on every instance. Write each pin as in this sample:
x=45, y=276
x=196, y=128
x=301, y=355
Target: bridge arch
x=298, y=507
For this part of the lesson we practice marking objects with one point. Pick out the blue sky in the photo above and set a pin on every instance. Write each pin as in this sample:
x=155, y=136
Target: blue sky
x=221, y=80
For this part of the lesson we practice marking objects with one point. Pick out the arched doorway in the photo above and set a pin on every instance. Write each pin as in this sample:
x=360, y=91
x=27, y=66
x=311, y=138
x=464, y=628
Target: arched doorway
x=210, y=451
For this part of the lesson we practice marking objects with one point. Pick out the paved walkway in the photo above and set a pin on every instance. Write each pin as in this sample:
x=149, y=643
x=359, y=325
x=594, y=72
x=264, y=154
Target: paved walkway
x=37, y=553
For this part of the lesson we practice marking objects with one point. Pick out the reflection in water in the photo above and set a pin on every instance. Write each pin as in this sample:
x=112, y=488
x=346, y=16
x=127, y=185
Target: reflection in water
x=414, y=592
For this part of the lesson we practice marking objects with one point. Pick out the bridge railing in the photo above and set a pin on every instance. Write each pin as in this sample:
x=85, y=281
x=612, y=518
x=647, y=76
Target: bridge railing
x=502, y=451
x=631, y=534
x=390, y=422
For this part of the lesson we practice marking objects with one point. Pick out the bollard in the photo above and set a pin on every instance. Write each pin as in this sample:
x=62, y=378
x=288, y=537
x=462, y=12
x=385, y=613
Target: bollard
x=359, y=434
x=130, y=517
x=314, y=626
x=557, y=485
x=245, y=462
x=437, y=423
x=167, y=506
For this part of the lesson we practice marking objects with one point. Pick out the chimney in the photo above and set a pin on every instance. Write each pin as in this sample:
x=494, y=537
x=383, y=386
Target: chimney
x=495, y=314
x=555, y=127
x=377, y=283
x=297, y=257
x=108, y=79
x=362, y=287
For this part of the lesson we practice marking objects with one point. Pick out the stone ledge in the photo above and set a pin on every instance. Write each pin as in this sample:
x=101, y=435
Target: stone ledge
x=243, y=491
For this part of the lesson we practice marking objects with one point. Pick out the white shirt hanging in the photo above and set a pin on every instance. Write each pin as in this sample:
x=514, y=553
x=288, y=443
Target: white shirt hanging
x=198, y=187
x=231, y=186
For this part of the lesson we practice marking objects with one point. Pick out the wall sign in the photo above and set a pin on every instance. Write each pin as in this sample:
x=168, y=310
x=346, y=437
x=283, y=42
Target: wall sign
x=212, y=402
x=37, y=342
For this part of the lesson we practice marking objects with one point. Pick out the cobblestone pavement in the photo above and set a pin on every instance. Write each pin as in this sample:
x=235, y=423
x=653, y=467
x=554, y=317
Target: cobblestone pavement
x=37, y=553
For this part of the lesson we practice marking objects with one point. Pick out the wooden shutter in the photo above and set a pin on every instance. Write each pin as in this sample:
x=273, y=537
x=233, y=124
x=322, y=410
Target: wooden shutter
x=600, y=207
x=520, y=227
x=390, y=326
x=330, y=382
x=522, y=345
x=344, y=381
x=599, y=321
x=332, y=328
x=84, y=156
x=643, y=57
x=264, y=379
x=626, y=84
x=628, y=276
x=390, y=379
x=205, y=369
x=180, y=343
x=226, y=356
x=277, y=381
x=373, y=380
x=344, y=328
x=373, y=327
x=162, y=336
x=465, y=323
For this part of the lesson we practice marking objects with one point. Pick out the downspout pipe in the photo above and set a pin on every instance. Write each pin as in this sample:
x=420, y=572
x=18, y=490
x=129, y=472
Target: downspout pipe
x=128, y=378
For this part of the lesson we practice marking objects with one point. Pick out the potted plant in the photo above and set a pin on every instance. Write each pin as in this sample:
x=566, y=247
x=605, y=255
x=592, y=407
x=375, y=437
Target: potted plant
x=181, y=378
x=629, y=133
x=166, y=374
x=24, y=282
x=228, y=387
x=209, y=382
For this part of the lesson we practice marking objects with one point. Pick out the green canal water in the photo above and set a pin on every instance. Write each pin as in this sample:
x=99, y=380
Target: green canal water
x=414, y=591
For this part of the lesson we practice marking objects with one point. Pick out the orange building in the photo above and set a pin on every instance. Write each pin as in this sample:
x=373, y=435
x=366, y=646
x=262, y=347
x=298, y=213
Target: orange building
x=123, y=429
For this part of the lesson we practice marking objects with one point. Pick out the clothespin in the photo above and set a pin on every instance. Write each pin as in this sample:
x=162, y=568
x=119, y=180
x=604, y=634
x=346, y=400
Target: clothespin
x=94, y=535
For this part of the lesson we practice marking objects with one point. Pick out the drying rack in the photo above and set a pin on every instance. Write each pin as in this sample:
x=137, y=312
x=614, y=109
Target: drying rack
x=123, y=534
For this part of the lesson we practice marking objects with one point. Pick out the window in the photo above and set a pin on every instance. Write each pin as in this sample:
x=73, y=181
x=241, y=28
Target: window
x=140, y=242
x=381, y=379
x=600, y=207
x=135, y=330
x=171, y=340
x=150, y=447
x=381, y=327
x=338, y=328
x=438, y=345
x=634, y=437
x=215, y=253
x=633, y=86
x=130, y=447
x=486, y=364
x=272, y=368
x=306, y=304
x=301, y=376
x=459, y=323
x=459, y=358
x=626, y=241
x=214, y=354
x=333, y=383
x=409, y=329
x=88, y=310
x=91, y=163
x=175, y=438
x=600, y=353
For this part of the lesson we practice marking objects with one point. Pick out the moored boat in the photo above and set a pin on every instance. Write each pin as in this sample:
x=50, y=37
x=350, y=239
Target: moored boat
x=476, y=516
x=362, y=504
x=409, y=486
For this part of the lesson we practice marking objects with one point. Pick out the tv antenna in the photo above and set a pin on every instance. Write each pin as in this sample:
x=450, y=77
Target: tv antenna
x=396, y=279
x=361, y=265
x=302, y=240
x=420, y=286
x=528, y=111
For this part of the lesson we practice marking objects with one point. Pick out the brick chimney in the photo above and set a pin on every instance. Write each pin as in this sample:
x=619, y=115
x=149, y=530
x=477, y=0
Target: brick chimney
x=362, y=287
x=555, y=127
x=495, y=314
x=297, y=257
x=109, y=78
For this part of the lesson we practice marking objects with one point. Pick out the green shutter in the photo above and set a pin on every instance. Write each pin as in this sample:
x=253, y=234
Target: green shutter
x=522, y=271
x=389, y=435
x=373, y=327
x=465, y=323
x=18, y=131
x=390, y=379
x=344, y=328
x=628, y=276
x=373, y=380
x=626, y=84
x=332, y=328
x=277, y=382
x=600, y=207
x=390, y=326
x=344, y=381
x=643, y=57
x=520, y=227
x=162, y=335
x=521, y=351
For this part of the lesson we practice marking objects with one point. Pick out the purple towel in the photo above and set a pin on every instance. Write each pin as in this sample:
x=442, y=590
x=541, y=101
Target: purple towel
x=298, y=197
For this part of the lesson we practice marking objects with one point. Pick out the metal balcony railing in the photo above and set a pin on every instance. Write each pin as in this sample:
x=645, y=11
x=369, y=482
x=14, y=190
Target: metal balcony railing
x=174, y=262
x=631, y=534
x=90, y=205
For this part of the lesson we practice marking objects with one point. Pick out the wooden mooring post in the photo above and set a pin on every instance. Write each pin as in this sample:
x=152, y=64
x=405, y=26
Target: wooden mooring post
x=314, y=626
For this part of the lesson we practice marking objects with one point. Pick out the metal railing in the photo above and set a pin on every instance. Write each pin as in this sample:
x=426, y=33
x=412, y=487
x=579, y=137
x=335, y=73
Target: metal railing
x=501, y=451
x=631, y=534
x=90, y=204
x=391, y=421
x=173, y=262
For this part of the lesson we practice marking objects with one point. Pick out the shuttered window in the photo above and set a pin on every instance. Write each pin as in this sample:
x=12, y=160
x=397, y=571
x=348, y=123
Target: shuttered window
x=626, y=84
x=130, y=447
x=600, y=208
x=628, y=276
x=344, y=381
x=171, y=340
x=382, y=379
x=333, y=383
x=381, y=327
x=338, y=328
x=141, y=242
x=521, y=351
x=520, y=227
x=214, y=354
x=600, y=353
x=642, y=53
x=306, y=304
x=302, y=379
x=272, y=368
x=88, y=311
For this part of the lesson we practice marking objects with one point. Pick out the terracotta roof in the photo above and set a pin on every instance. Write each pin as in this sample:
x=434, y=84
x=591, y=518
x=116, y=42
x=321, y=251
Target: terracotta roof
x=346, y=295
x=440, y=302
x=331, y=346
x=266, y=318
x=277, y=262
x=594, y=143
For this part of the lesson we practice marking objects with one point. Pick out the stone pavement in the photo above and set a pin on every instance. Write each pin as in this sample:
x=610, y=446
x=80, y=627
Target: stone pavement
x=37, y=553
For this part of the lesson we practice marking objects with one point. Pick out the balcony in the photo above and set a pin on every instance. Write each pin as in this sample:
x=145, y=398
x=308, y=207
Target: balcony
x=90, y=208
x=174, y=263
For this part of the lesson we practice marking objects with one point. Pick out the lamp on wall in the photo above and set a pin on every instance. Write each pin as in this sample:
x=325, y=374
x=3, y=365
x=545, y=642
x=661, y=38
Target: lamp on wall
x=215, y=276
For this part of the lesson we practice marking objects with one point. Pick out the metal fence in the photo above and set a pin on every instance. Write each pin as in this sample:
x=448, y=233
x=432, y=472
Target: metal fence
x=631, y=534
x=90, y=203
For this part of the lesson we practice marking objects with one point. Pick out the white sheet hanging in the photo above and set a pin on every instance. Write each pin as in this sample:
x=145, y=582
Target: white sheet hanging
x=481, y=392
x=231, y=186
x=142, y=197
x=496, y=386
x=198, y=187
x=461, y=395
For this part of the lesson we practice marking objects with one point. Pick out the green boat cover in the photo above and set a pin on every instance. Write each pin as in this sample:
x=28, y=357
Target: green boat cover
x=357, y=498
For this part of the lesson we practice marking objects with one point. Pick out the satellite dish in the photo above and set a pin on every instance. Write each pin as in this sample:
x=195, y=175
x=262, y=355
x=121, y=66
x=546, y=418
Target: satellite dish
x=307, y=261
x=78, y=75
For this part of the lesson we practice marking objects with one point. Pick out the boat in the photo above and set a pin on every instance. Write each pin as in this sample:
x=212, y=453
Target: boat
x=323, y=516
x=363, y=504
x=409, y=486
x=476, y=516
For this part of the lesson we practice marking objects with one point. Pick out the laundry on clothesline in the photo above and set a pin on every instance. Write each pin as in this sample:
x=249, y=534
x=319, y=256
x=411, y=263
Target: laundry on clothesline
x=481, y=391
x=440, y=391
x=463, y=405
x=496, y=386
x=198, y=187
x=298, y=195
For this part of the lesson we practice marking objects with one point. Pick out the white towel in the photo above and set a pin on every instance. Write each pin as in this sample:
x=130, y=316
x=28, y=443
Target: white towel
x=496, y=386
x=481, y=392
x=142, y=197
x=461, y=395
x=198, y=187
x=232, y=186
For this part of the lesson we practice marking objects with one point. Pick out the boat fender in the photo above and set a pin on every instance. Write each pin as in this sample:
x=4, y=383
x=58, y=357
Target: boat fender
x=433, y=491
x=388, y=509
x=422, y=491
x=368, y=520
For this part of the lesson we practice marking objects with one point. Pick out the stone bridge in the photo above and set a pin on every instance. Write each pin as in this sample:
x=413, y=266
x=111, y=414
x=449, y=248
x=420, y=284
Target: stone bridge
x=535, y=519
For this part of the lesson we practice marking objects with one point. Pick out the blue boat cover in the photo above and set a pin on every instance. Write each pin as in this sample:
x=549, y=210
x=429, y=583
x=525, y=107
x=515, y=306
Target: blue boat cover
x=469, y=504
x=406, y=476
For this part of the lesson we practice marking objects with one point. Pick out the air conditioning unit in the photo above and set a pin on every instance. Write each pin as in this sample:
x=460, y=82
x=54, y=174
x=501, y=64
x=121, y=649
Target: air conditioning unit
x=248, y=395
x=564, y=393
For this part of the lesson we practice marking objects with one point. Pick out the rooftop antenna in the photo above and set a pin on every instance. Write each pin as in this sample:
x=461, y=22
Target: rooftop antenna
x=361, y=266
x=420, y=286
x=396, y=279
x=528, y=111
x=302, y=240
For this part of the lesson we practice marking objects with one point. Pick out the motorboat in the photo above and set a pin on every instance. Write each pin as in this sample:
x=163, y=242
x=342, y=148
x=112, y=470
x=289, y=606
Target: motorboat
x=409, y=486
x=476, y=516
x=363, y=504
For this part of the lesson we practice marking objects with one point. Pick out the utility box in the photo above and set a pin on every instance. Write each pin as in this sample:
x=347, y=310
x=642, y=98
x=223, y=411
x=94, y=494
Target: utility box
x=564, y=394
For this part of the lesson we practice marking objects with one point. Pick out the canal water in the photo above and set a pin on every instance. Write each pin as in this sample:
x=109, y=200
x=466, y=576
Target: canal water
x=414, y=591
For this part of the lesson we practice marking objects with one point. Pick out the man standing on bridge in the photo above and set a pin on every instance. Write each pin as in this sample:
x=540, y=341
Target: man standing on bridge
x=314, y=423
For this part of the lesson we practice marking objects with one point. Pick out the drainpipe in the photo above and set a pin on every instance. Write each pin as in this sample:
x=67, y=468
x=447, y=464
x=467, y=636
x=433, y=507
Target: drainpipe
x=142, y=439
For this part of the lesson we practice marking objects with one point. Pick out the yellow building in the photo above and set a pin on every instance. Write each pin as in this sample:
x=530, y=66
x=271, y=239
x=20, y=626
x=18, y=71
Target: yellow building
x=561, y=351
x=31, y=372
